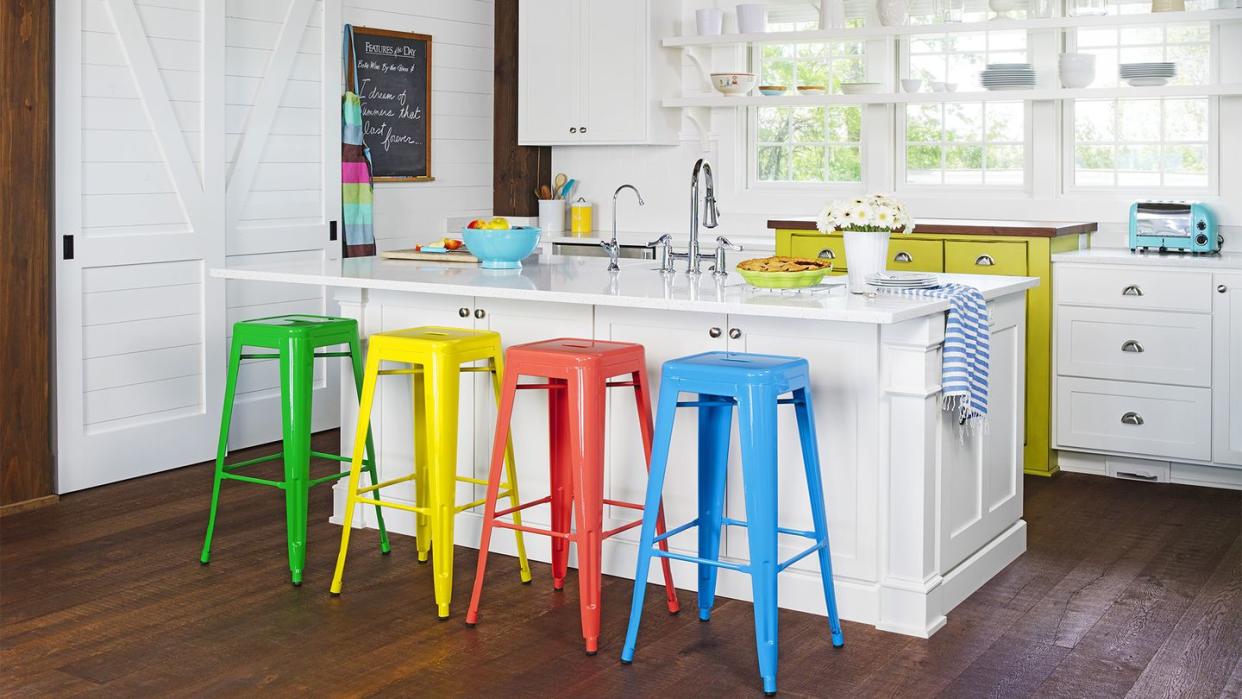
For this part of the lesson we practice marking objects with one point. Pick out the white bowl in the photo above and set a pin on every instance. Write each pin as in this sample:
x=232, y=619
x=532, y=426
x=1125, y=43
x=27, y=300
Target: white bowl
x=911, y=84
x=1074, y=78
x=936, y=86
x=862, y=88
x=733, y=84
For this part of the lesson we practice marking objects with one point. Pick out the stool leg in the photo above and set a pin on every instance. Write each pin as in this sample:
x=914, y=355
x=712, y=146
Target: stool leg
x=586, y=438
x=815, y=485
x=715, y=424
x=422, y=456
x=757, y=421
x=443, y=384
x=497, y=370
x=222, y=448
x=504, y=413
x=665, y=414
x=365, y=402
x=642, y=399
x=560, y=478
x=355, y=360
x=297, y=368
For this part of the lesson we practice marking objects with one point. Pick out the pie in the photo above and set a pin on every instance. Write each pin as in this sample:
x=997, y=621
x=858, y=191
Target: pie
x=780, y=263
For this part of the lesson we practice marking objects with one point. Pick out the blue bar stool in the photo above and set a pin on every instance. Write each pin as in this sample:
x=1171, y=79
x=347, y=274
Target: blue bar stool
x=754, y=383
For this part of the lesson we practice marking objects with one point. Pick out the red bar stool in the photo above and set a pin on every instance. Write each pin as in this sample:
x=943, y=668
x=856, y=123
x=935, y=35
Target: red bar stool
x=578, y=374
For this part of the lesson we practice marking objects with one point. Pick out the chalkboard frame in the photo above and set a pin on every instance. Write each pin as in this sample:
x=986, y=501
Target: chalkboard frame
x=372, y=31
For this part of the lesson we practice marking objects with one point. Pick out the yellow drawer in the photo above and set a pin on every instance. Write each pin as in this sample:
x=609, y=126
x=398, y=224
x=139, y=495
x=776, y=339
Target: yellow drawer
x=964, y=257
x=915, y=255
x=829, y=247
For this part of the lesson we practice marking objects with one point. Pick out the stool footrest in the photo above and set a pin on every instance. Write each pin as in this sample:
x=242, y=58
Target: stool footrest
x=530, y=530
x=622, y=503
x=325, y=479
x=384, y=484
x=705, y=403
x=702, y=561
x=523, y=506
x=542, y=386
x=504, y=493
x=226, y=476
x=809, y=550
x=619, y=384
x=730, y=522
x=332, y=457
x=256, y=460
x=677, y=530
x=395, y=505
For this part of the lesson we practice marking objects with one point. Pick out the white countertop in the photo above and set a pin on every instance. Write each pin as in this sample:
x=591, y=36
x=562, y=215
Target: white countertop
x=765, y=243
x=1123, y=256
x=584, y=280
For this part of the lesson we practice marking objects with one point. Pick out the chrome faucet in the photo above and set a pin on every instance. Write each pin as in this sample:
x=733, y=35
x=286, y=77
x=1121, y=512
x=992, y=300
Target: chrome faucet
x=693, y=254
x=612, y=247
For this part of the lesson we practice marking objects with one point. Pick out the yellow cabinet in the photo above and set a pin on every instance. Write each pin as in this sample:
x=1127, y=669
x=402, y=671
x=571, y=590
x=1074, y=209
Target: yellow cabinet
x=969, y=257
x=904, y=253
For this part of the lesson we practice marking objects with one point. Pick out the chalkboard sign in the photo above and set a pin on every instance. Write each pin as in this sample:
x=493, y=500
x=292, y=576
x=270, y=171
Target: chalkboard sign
x=394, y=83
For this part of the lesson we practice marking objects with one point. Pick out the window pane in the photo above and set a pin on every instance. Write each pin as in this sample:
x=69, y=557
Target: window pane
x=1006, y=121
x=1186, y=120
x=772, y=163
x=1093, y=121
x=923, y=123
x=845, y=165
x=808, y=164
x=923, y=164
x=844, y=124
x=774, y=124
x=963, y=121
x=808, y=124
x=1139, y=120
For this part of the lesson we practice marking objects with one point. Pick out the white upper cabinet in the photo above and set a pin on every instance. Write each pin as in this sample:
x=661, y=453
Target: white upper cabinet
x=592, y=72
x=1227, y=369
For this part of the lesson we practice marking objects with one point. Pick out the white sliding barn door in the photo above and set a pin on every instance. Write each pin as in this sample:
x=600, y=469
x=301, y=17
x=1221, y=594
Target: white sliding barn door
x=140, y=327
x=282, y=130
x=146, y=186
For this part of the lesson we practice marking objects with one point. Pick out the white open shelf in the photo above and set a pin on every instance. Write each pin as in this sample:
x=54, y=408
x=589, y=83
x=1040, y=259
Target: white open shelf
x=717, y=100
x=994, y=25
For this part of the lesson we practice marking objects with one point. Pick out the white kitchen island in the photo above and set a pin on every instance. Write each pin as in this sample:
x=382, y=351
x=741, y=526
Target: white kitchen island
x=919, y=516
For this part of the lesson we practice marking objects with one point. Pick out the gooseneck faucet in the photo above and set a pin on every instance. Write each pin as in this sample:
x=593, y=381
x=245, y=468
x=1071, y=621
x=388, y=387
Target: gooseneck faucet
x=612, y=247
x=693, y=254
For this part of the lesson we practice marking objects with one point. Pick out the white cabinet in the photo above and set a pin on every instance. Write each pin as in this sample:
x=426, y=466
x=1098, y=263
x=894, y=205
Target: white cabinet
x=593, y=72
x=1227, y=369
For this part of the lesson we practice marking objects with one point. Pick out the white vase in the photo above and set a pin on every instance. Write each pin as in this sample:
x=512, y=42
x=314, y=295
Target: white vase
x=892, y=13
x=866, y=253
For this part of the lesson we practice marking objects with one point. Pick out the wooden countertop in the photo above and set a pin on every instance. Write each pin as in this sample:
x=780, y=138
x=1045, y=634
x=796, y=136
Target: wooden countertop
x=966, y=226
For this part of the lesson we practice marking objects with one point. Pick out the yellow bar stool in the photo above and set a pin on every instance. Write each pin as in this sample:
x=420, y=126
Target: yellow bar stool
x=436, y=358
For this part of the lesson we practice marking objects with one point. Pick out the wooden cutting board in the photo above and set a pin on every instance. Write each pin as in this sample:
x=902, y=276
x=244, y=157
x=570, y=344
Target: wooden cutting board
x=412, y=254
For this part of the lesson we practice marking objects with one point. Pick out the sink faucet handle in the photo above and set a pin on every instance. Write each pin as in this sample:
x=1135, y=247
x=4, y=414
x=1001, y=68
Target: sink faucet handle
x=723, y=242
x=720, y=264
x=613, y=248
x=666, y=239
x=663, y=247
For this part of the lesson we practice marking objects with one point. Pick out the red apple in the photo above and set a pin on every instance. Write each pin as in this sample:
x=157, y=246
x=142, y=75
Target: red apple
x=452, y=244
x=477, y=223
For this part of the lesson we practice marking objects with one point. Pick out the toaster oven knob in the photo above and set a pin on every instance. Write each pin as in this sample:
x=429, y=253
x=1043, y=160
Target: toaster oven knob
x=1201, y=239
x=1202, y=225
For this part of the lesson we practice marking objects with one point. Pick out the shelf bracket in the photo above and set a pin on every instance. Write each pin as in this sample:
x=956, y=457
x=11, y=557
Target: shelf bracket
x=699, y=126
x=704, y=70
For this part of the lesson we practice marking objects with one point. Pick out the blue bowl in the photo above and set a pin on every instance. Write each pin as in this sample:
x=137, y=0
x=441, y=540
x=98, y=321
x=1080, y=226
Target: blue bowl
x=501, y=249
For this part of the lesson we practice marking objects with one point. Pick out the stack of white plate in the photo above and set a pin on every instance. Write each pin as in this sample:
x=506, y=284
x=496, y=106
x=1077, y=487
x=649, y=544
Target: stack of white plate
x=1147, y=74
x=1008, y=76
x=903, y=280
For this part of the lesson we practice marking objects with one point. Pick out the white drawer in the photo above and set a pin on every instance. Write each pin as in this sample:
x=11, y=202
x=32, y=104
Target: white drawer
x=1152, y=346
x=1120, y=287
x=1168, y=421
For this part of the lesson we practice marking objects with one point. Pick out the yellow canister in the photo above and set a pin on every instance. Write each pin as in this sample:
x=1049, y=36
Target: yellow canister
x=580, y=217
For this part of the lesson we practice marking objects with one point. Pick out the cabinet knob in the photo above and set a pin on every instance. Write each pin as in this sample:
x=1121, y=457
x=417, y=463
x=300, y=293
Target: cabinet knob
x=713, y=333
x=904, y=256
x=581, y=129
x=734, y=333
x=480, y=313
x=1131, y=346
x=1221, y=289
x=573, y=129
x=1132, y=290
x=984, y=261
x=1131, y=418
x=826, y=254
x=463, y=312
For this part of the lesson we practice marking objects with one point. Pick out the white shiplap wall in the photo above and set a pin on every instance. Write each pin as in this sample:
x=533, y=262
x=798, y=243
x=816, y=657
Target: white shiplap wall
x=461, y=110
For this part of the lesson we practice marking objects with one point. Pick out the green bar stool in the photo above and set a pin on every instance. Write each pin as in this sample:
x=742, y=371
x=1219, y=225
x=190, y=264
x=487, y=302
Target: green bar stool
x=294, y=340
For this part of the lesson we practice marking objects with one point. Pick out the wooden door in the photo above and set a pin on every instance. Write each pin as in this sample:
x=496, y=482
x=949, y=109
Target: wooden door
x=282, y=151
x=1227, y=369
x=550, y=75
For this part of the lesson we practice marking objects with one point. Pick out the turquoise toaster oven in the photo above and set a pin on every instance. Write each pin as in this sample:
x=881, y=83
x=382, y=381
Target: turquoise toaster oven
x=1173, y=225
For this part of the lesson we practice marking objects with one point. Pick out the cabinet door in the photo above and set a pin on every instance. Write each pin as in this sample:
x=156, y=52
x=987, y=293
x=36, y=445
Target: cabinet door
x=614, y=64
x=843, y=362
x=549, y=72
x=665, y=335
x=909, y=255
x=826, y=247
x=1227, y=369
x=966, y=257
x=519, y=322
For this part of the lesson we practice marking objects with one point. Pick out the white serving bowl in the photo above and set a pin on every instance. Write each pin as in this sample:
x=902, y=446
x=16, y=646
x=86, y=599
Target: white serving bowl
x=862, y=88
x=733, y=84
x=911, y=84
x=1076, y=77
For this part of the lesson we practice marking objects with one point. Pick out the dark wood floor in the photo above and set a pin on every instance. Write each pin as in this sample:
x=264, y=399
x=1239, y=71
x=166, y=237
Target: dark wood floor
x=1127, y=588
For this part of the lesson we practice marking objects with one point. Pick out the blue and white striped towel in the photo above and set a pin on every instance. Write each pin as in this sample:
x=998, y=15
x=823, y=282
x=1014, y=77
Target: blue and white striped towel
x=964, y=373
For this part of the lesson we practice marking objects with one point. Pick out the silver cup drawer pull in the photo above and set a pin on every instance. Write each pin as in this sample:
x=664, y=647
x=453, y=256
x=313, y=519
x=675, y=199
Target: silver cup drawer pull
x=1131, y=346
x=1132, y=418
x=903, y=256
x=984, y=261
x=1132, y=290
x=826, y=254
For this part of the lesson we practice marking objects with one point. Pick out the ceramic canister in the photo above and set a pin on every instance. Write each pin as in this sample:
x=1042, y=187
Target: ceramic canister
x=580, y=216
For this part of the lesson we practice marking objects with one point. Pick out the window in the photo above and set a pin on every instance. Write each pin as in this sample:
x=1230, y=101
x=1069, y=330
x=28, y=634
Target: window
x=1144, y=142
x=809, y=144
x=964, y=143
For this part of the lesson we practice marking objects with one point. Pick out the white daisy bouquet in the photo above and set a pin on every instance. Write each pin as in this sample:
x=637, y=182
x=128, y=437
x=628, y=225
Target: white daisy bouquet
x=875, y=213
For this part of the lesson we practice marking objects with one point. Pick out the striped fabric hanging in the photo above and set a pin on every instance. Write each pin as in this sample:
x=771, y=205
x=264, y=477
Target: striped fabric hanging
x=357, y=190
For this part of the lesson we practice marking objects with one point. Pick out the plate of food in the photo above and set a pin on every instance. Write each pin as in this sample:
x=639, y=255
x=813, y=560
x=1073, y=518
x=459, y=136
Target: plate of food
x=780, y=272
